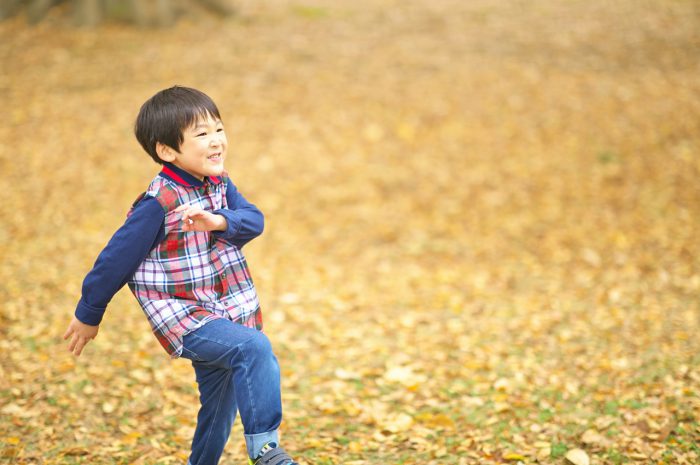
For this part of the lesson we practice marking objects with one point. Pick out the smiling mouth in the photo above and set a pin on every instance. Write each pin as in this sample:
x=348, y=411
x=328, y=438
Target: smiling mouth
x=215, y=157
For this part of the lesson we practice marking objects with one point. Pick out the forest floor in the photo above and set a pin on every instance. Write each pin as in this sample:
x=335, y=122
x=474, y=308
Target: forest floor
x=482, y=229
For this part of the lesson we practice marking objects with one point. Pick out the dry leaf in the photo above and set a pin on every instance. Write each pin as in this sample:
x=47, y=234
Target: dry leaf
x=577, y=457
x=481, y=228
x=396, y=423
x=593, y=437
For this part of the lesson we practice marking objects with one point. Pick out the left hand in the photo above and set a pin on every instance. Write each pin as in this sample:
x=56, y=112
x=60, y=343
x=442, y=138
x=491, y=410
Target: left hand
x=196, y=219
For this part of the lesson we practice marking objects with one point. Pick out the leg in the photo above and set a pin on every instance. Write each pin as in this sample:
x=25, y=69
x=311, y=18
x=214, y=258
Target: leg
x=246, y=356
x=216, y=414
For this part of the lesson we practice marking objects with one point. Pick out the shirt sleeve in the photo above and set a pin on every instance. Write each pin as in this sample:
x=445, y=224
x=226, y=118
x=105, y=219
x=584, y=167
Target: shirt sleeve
x=118, y=261
x=244, y=221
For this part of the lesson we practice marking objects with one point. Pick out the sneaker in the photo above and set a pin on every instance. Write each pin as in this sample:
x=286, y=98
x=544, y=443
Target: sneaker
x=272, y=454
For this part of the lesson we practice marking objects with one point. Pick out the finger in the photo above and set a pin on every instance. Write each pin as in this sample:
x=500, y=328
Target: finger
x=68, y=332
x=196, y=214
x=79, y=347
x=73, y=342
x=194, y=211
x=182, y=207
x=186, y=217
x=187, y=220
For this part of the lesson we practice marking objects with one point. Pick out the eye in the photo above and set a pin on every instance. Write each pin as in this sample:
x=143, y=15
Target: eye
x=201, y=134
x=220, y=130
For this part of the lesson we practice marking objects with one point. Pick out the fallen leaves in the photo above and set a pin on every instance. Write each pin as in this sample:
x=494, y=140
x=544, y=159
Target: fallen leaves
x=481, y=243
x=404, y=375
x=593, y=438
x=395, y=423
x=577, y=457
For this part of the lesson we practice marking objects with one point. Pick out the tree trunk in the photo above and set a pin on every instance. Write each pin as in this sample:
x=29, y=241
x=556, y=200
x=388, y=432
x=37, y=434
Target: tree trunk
x=165, y=14
x=37, y=10
x=9, y=8
x=223, y=7
x=139, y=13
x=90, y=13
x=87, y=12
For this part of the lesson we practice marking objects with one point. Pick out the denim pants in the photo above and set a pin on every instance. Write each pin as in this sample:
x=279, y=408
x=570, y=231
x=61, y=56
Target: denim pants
x=235, y=369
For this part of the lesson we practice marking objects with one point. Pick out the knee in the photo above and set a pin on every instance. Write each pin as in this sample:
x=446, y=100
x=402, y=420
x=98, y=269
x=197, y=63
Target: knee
x=258, y=347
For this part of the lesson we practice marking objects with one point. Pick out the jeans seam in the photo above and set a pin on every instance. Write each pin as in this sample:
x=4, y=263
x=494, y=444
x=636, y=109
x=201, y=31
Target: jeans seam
x=224, y=344
x=195, y=357
x=216, y=413
x=250, y=388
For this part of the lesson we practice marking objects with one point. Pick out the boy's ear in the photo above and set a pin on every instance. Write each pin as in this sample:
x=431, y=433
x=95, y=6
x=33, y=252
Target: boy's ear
x=165, y=152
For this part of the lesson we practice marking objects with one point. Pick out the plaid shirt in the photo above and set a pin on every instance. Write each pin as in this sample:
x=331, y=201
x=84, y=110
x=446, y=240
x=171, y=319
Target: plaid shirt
x=182, y=279
x=191, y=277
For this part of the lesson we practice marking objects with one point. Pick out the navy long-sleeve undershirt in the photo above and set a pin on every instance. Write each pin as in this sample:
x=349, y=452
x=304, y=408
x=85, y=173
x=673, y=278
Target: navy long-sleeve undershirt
x=141, y=232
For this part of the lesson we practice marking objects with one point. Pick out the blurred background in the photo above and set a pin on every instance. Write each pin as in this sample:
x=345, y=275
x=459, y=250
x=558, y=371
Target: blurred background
x=482, y=224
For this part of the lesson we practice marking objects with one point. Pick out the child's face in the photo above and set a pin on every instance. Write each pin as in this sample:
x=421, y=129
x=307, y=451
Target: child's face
x=203, y=149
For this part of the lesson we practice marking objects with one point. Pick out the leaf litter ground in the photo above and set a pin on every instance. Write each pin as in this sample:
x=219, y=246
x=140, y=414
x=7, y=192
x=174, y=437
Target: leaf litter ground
x=482, y=229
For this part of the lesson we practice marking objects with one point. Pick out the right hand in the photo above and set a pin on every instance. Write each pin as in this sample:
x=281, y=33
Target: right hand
x=196, y=219
x=81, y=335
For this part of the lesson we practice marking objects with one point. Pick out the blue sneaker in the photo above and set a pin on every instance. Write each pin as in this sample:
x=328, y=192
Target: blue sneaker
x=272, y=454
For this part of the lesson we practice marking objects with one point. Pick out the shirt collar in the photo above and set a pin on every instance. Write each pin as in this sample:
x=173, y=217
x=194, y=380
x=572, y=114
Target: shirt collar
x=182, y=177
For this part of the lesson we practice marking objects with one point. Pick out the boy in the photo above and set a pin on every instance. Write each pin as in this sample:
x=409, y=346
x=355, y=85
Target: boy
x=180, y=253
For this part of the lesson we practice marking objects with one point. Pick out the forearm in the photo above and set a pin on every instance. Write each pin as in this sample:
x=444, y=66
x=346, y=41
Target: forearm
x=244, y=220
x=119, y=259
x=221, y=223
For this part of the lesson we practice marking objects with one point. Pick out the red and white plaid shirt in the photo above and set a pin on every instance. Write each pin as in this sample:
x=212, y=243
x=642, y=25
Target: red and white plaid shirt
x=190, y=278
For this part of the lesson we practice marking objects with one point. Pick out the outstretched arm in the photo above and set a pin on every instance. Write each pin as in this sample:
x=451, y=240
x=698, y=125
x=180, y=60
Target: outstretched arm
x=113, y=268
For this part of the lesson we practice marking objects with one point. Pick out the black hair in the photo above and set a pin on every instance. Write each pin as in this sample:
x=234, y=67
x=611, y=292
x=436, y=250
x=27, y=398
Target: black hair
x=164, y=117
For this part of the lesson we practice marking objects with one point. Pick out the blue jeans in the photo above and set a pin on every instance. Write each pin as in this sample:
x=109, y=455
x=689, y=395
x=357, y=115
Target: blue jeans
x=235, y=369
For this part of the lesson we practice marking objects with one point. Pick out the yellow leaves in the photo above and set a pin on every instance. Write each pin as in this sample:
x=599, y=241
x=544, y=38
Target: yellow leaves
x=325, y=405
x=544, y=449
x=314, y=443
x=12, y=409
x=406, y=131
x=577, y=457
x=131, y=438
x=457, y=268
x=373, y=132
x=140, y=375
x=108, y=407
x=75, y=452
x=344, y=374
x=436, y=421
x=502, y=384
x=12, y=448
x=10, y=452
x=592, y=437
x=355, y=447
x=66, y=366
x=404, y=375
x=395, y=423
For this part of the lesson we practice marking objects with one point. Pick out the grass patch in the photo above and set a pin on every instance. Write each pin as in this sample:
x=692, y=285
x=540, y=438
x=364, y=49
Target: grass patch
x=558, y=450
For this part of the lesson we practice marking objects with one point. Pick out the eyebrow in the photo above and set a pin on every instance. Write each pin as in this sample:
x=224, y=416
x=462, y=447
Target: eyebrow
x=204, y=125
